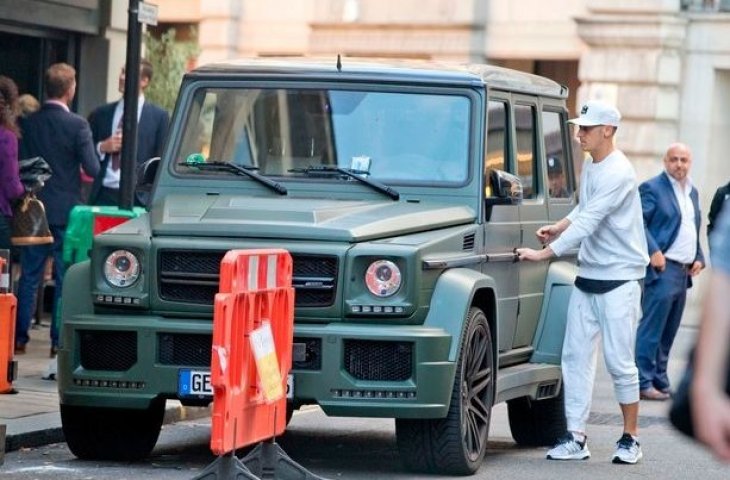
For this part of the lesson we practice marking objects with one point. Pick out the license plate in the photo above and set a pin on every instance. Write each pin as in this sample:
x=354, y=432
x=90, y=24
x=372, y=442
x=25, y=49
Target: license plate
x=196, y=383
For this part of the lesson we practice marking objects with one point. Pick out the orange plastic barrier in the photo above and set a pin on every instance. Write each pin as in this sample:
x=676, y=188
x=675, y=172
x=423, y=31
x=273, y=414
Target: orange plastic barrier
x=8, y=367
x=255, y=289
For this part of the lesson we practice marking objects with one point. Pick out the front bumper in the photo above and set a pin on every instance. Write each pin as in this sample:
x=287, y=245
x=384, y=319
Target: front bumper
x=127, y=361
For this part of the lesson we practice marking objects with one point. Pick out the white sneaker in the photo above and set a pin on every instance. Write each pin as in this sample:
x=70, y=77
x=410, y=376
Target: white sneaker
x=51, y=370
x=628, y=450
x=568, y=448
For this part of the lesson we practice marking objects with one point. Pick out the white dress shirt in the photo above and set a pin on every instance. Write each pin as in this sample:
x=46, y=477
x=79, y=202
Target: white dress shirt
x=684, y=247
x=111, y=177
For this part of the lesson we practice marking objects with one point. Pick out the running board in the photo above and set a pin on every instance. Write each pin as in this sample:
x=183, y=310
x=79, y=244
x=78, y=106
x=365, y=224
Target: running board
x=535, y=380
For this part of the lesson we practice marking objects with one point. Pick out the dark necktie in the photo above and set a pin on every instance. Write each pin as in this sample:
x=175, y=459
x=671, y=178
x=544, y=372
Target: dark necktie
x=117, y=156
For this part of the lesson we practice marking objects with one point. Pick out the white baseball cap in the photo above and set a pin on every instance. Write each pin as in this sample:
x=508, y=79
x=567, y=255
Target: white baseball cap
x=595, y=112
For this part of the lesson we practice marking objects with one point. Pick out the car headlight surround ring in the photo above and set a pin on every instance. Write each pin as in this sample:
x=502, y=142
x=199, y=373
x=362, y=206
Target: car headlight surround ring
x=383, y=278
x=121, y=268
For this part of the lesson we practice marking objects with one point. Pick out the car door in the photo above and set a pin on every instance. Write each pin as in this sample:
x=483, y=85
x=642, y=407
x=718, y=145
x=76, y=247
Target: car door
x=502, y=223
x=533, y=214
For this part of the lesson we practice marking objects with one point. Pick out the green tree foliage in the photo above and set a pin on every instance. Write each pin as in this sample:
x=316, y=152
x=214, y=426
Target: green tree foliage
x=169, y=59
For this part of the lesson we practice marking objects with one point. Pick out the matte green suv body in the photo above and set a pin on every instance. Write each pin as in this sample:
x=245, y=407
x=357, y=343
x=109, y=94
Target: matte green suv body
x=401, y=192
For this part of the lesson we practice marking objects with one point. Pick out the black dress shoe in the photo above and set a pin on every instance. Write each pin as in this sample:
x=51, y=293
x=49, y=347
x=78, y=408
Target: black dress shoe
x=19, y=348
x=54, y=351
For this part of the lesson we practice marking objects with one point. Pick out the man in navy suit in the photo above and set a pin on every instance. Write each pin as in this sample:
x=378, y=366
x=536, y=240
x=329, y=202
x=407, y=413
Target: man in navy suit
x=672, y=222
x=106, y=123
x=63, y=139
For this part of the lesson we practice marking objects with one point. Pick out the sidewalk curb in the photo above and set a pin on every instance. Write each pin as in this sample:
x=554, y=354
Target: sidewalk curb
x=53, y=433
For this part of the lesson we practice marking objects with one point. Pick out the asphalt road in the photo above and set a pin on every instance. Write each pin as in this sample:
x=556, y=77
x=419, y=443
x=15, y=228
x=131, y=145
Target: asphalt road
x=350, y=448
x=356, y=448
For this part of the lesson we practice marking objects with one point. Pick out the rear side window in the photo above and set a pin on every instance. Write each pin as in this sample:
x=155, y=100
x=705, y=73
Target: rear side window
x=525, y=144
x=558, y=169
x=496, y=152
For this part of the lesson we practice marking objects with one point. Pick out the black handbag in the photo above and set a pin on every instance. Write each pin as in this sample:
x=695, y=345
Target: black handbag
x=680, y=413
x=29, y=224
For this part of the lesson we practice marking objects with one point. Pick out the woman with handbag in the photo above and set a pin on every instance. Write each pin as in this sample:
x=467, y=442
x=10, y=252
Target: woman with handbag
x=10, y=186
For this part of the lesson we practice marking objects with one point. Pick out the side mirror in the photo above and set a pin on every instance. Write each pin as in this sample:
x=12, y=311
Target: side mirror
x=504, y=188
x=146, y=174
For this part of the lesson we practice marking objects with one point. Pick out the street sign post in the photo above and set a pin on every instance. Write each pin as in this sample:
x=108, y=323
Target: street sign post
x=147, y=13
x=131, y=100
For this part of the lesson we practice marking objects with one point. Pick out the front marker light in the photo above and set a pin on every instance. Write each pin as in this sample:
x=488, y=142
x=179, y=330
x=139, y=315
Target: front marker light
x=121, y=268
x=383, y=278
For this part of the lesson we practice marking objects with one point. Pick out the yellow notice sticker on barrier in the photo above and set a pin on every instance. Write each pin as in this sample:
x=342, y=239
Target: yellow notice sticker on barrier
x=267, y=366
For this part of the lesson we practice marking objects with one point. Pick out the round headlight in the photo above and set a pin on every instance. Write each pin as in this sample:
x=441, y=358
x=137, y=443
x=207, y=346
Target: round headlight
x=383, y=278
x=121, y=268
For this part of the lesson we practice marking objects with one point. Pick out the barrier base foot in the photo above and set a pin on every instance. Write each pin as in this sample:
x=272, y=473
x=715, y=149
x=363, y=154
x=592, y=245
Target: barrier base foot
x=225, y=468
x=269, y=461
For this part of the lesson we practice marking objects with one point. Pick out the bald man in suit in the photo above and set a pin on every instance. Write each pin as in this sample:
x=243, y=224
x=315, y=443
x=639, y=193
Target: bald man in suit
x=671, y=210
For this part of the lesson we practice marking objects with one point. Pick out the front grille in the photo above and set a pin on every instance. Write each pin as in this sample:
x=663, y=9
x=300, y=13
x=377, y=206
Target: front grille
x=104, y=350
x=191, y=276
x=379, y=361
x=184, y=349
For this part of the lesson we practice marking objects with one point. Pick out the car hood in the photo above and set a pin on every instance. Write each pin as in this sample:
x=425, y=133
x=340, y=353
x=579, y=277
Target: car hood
x=301, y=218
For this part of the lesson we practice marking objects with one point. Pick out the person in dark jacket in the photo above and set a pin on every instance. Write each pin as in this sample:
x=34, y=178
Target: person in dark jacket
x=63, y=139
x=106, y=123
x=721, y=194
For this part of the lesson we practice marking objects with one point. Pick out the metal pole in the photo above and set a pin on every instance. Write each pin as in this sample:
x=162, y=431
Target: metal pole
x=131, y=96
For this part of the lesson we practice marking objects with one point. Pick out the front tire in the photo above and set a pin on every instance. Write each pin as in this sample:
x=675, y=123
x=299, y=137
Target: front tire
x=456, y=444
x=112, y=433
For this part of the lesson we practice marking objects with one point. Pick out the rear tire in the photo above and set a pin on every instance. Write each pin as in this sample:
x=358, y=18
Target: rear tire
x=112, y=433
x=537, y=423
x=456, y=444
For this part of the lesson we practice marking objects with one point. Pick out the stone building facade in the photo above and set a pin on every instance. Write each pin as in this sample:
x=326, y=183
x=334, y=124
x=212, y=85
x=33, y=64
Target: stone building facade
x=665, y=63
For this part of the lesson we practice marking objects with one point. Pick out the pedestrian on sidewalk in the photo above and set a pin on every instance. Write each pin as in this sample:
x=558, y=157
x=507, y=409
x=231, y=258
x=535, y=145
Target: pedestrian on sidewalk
x=709, y=395
x=607, y=227
x=106, y=126
x=63, y=139
x=721, y=194
x=10, y=186
x=672, y=221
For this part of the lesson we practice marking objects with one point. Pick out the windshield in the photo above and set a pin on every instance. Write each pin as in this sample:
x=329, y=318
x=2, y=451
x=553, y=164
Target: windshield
x=394, y=137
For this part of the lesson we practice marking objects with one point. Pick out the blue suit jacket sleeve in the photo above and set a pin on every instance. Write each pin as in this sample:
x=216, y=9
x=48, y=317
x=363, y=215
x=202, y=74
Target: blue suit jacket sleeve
x=648, y=207
x=85, y=147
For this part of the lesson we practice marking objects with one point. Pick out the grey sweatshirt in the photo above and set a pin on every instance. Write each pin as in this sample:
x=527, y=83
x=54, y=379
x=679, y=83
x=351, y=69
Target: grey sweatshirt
x=607, y=224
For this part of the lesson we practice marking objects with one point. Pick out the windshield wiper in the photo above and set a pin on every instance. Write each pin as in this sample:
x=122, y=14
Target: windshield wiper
x=238, y=170
x=349, y=172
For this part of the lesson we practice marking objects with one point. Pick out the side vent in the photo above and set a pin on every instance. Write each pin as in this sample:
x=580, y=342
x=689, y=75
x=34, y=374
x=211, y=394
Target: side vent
x=468, y=242
x=546, y=390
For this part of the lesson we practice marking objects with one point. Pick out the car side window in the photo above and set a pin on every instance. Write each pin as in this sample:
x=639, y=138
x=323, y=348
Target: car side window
x=525, y=143
x=558, y=168
x=496, y=152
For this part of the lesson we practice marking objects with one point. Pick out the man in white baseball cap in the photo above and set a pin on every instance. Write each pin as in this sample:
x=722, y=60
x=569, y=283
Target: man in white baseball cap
x=607, y=227
x=595, y=112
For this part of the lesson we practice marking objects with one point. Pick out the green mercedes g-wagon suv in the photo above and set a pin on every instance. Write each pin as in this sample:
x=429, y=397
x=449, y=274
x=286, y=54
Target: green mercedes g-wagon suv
x=401, y=191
